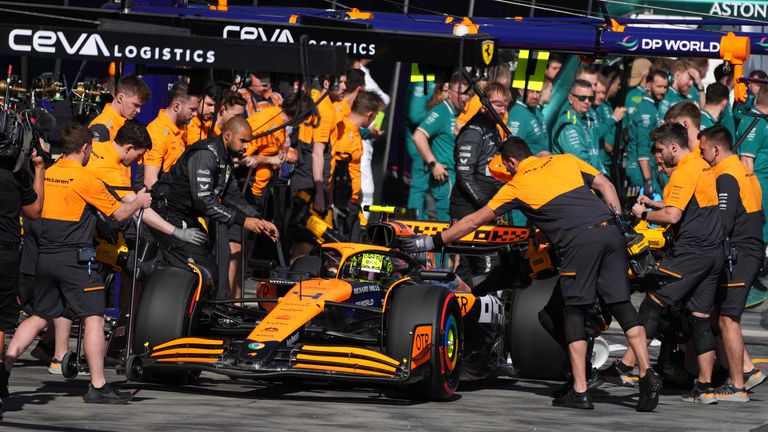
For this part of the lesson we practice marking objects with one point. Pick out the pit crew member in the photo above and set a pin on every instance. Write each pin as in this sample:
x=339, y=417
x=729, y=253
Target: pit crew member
x=554, y=193
x=65, y=274
x=167, y=132
x=742, y=216
x=199, y=185
x=478, y=142
x=347, y=145
x=131, y=94
x=231, y=105
x=688, y=276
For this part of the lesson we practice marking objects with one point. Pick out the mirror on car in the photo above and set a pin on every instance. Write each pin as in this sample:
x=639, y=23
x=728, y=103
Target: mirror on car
x=437, y=275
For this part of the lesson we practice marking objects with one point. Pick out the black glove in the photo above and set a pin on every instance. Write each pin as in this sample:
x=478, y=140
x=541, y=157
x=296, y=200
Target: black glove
x=190, y=235
x=648, y=188
x=417, y=244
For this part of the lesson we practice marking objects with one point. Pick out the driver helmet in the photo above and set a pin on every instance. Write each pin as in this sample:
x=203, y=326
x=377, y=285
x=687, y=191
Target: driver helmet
x=370, y=267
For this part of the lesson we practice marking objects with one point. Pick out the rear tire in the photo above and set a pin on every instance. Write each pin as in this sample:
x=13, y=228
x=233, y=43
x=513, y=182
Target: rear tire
x=163, y=315
x=535, y=353
x=436, y=306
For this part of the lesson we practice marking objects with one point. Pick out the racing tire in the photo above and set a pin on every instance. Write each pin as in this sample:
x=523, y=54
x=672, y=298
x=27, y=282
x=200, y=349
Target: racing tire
x=534, y=352
x=435, y=306
x=162, y=315
x=134, y=368
x=69, y=367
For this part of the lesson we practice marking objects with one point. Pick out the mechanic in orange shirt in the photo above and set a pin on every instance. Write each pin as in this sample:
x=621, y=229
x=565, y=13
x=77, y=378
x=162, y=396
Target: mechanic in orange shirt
x=66, y=273
x=132, y=93
x=556, y=194
x=259, y=94
x=312, y=169
x=167, y=131
x=347, y=145
x=350, y=85
x=111, y=163
x=232, y=104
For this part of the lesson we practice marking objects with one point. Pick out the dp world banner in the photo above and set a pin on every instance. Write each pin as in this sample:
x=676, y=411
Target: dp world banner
x=747, y=9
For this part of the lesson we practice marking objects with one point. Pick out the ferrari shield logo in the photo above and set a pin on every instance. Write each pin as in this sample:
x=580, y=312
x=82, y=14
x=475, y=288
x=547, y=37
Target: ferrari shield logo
x=487, y=48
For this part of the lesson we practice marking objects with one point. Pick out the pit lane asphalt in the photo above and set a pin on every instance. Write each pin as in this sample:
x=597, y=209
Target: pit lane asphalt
x=40, y=401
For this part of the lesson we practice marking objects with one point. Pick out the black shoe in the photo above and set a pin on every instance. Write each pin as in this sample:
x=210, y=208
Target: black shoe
x=4, y=375
x=574, y=400
x=650, y=387
x=106, y=395
x=624, y=377
x=594, y=380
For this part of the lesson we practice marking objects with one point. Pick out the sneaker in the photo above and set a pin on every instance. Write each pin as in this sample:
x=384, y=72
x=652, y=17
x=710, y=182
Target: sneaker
x=753, y=379
x=625, y=378
x=55, y=367
x=43, y=352
x=650, y=387
x=729, y=393
x=701, y=393
x=571, y=399
x=594, y=380
x=106, y=395
x=4, y=375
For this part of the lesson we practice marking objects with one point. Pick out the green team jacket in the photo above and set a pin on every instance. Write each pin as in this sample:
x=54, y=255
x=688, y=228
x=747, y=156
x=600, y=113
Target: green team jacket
x=525, y=125
x=576, y=134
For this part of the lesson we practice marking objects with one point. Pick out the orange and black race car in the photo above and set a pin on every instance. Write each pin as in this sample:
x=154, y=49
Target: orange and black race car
x=357, y=312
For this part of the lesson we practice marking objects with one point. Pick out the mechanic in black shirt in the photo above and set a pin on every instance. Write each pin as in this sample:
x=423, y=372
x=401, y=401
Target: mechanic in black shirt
x=477, y=143
x=22, y=193
x=201, y=185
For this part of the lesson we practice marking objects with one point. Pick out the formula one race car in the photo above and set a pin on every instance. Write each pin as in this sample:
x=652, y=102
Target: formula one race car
x=357, y=312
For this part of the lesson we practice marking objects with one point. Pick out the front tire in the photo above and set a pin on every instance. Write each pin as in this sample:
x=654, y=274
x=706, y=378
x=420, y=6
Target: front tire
x=435, y=306
x=163, y=314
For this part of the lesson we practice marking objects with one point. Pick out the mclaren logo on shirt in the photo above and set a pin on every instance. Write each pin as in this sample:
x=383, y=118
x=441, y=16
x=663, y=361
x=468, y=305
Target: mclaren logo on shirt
x=92, y=44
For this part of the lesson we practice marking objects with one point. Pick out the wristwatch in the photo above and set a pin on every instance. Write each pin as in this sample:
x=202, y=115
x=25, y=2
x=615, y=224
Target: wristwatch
x=644, y=215
x=431, y=164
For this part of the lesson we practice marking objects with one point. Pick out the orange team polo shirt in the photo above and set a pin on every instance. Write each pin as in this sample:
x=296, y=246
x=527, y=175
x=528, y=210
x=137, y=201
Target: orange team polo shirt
x=196, y=131
x=319, y=130
x=692, y=189
x=342, y=109
x=347, y=143
x=167, y=142
x=269, y=145
x=111, y=119
x=106, y=166
x=71, y=192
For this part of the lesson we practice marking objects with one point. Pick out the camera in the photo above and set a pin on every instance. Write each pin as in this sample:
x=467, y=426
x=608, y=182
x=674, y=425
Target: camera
x=20, y=133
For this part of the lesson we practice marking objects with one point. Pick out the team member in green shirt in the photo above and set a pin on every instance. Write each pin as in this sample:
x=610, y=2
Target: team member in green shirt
x=607, y=117
x=679, y=88
x=715, y=103
x=435, y=142
x=524, y=123
x=575, y=130
x=643, y=118
x=739, y=110
x=416, y=110
x=754, y=149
